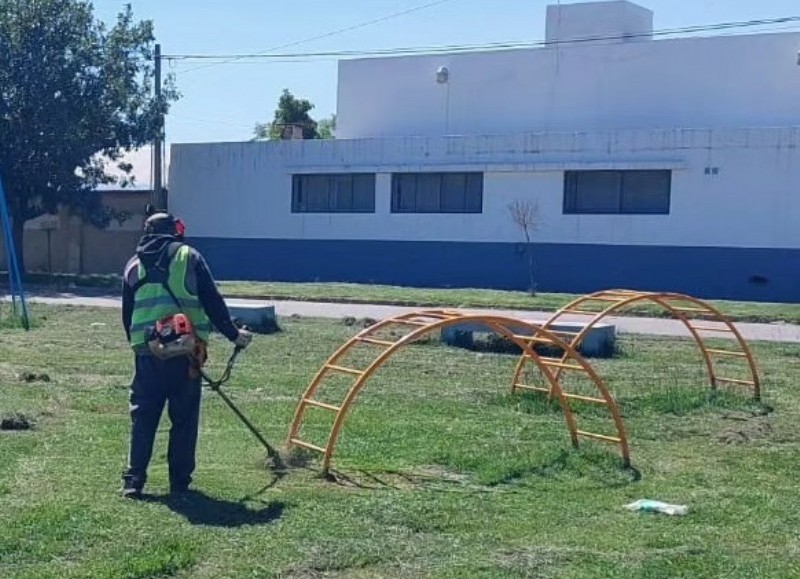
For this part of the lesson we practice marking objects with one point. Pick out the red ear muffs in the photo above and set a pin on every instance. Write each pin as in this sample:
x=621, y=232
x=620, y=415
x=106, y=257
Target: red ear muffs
x=180, y=228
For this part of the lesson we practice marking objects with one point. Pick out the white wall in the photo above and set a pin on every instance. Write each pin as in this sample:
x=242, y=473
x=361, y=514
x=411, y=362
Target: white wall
x=599, y=20
x=717, y=82
x=243, y=190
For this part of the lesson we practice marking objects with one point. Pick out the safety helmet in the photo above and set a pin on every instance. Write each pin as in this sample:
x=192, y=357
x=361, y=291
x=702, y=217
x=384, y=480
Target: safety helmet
x=164, y=224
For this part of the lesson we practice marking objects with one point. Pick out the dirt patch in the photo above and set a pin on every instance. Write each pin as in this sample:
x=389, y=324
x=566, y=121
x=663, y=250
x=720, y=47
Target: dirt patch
x=750, y=426
x=29, y=377
x=368, y=322
x=433, y=472
x=349, y=321
x=746, y=434
x=16, y=422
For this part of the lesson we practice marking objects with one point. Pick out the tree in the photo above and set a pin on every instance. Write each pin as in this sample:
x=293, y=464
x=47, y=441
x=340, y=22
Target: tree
x=327, y=128
x=525, y=215
x=291, y=112
x=74, y=97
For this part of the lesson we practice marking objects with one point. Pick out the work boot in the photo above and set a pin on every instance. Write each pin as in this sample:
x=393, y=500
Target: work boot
x=131, y=488
x=131, y=492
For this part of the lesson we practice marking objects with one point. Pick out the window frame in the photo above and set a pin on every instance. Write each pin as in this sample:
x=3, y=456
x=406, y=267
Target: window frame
x=571, y=205
x=334, y=181
x=444, y=205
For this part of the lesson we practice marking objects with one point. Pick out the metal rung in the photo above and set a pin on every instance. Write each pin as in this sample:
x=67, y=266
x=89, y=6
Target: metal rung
x=727, y=353
x=308, y=445
x=532, y=388
x=564, y=332
x=711, y=329
x=585, y=399
x=557, y=363
x=376, y=342
x=344, y=370
x=602, y=437
x=580, y=312
x=734, y=381
x=411, y=322
x=435, y=315
x=449, y=313
x=319, y=404
x=692, y=310
x=532, y=339
x=569, y=396
x=605, y=299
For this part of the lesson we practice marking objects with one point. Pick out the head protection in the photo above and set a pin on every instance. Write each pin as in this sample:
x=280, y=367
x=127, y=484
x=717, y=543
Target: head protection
x=164, y=224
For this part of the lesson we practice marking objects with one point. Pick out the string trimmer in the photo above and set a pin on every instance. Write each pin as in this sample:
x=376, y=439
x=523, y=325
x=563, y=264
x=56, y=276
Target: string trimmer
x=272, y=454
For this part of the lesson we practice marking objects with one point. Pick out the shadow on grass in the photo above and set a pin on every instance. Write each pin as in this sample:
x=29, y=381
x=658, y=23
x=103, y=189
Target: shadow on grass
x=200, y=509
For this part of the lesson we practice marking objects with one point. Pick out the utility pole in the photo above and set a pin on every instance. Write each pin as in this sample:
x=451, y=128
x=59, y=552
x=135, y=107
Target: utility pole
x=159, y=198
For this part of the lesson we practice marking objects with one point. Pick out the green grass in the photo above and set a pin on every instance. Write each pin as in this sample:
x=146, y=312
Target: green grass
x=423, y=297
x=442, y=472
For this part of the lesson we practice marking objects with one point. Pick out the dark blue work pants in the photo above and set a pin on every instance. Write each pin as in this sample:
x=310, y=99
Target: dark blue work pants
x=156, y=383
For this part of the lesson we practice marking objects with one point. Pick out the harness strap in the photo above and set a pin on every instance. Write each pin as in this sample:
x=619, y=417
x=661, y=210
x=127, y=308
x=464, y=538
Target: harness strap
x=169, y=254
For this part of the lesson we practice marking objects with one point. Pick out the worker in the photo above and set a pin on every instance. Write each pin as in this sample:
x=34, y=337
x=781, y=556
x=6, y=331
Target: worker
x=168, y=287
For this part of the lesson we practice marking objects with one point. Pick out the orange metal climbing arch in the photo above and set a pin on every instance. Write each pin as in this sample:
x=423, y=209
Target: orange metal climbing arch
x=413, y=326
x=699, y=318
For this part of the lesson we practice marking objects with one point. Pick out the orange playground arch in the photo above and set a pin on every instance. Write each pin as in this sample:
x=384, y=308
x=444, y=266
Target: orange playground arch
x=700, y=319
x=408, y=328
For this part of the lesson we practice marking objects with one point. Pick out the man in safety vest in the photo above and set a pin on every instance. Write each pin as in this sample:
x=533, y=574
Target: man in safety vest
x=169, y=304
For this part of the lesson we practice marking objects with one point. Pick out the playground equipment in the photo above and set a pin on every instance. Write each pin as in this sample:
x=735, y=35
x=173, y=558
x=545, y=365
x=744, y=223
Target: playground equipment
x=14, y=276
x=700, y=319
x=408, y=328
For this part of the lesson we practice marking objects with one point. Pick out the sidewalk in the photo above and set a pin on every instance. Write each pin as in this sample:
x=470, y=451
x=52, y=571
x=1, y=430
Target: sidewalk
x=625, y=325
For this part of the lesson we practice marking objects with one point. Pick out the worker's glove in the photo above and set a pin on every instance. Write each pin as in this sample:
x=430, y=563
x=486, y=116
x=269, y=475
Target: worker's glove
x=243, y=339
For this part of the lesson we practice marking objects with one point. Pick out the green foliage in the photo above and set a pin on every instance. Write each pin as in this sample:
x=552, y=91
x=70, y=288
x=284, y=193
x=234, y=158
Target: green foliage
x=293, y=112
x=327, y=128
x=75, y=96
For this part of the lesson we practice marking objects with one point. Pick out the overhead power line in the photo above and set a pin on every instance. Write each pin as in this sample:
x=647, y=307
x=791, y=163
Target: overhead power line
x=233, y=58
x=460, y=48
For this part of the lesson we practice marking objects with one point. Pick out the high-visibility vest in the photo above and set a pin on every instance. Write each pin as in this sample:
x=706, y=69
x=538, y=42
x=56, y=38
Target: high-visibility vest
x=153, y=302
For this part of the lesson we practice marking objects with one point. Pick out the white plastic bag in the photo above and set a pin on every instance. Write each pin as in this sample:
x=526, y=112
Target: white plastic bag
x=650, y=506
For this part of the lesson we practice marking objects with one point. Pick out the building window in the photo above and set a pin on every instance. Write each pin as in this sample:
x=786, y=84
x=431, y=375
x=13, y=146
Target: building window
x=617, y=192
x=333, y=193
x=437, y=193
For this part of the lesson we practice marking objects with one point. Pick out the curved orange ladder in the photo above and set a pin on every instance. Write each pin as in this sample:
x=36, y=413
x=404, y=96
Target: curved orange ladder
x=416, y=325
x=684, y=308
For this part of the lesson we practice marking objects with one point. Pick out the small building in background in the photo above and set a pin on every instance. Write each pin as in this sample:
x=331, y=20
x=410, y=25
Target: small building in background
x=649, y=163
x=64, y=243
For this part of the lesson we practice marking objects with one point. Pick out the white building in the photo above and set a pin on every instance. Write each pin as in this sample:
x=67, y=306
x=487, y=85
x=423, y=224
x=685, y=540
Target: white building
x=663, y=164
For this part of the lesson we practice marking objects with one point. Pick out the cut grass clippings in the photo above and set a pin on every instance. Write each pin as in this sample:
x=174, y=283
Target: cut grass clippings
x=440, y=471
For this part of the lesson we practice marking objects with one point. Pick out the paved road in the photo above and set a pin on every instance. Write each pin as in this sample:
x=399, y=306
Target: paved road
x=626, y=325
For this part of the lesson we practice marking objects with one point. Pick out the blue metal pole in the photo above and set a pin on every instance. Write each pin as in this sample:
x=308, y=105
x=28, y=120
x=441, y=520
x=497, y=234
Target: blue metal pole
x=9, y=244
x=13, y=264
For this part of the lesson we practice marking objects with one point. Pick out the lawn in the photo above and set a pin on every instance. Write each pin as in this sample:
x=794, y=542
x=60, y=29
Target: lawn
x=480, y=298
x=426, y=297
x=442, y=472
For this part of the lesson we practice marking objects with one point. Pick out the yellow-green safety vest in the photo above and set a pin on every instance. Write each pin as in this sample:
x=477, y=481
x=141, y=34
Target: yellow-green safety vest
x=153, y=302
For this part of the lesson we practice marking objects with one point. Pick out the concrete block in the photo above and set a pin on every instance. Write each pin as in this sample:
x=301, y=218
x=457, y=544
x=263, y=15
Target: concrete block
x=256, y=316
x=598, y=343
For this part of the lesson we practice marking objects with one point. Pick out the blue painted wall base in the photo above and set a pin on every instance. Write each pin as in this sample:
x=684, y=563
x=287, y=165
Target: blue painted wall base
x=767, y=275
